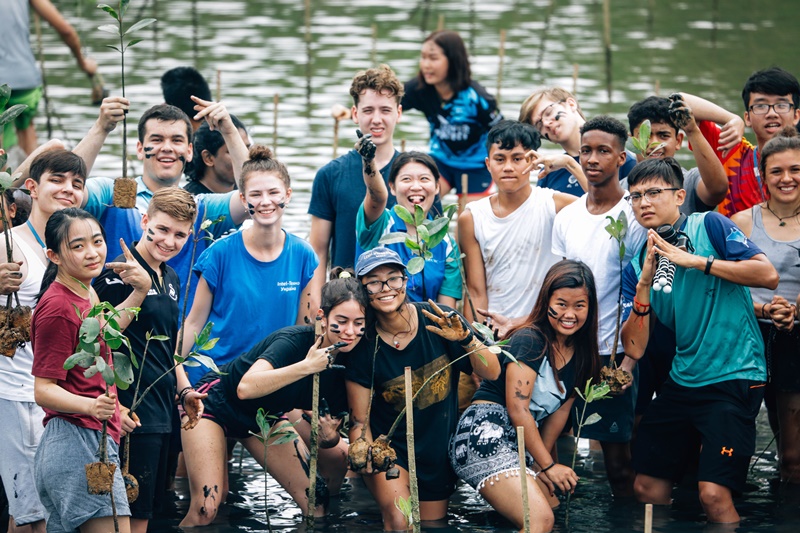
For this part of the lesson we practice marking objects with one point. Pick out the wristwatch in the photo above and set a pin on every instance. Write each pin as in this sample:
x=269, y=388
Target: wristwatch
x=709, y=262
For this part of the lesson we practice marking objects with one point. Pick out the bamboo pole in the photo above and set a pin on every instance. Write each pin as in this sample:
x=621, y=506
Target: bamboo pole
x=607, y=44
x=648, y=518
x=440, y=26
x=275, y=124
x=219, y=85
x=575, y=79
x=657, y=88
x=402, y=145
x=314, y=452
x=374, y=49
x=462, y=199
x=335, y=137
x=502, y=54
x=37, y=22
x=412, y=461
x=523, y=476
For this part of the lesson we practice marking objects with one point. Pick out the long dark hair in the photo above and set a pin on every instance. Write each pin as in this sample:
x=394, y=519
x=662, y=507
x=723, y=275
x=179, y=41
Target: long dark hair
x=56, y=237
x=459, y=75
x=567, y=274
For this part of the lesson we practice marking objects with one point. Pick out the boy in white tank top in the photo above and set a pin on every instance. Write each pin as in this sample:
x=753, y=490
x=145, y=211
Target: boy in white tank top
x=507, y=236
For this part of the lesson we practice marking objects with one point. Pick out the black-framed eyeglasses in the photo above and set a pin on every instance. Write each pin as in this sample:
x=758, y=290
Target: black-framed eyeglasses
x=376, y=286
x=780, y=108
x=652, y=195
x=547, y=113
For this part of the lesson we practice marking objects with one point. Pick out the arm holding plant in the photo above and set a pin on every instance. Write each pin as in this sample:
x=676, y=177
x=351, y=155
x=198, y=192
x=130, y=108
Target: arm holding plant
x=263, y=379
x=112, y=110
x=48, y=393
x=358, y=399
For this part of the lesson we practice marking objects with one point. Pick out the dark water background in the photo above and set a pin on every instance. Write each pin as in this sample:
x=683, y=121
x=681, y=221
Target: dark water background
x=259, y=48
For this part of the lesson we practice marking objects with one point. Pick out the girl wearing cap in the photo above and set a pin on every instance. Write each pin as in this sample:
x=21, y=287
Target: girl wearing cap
x=414, y=180
x=428, y=339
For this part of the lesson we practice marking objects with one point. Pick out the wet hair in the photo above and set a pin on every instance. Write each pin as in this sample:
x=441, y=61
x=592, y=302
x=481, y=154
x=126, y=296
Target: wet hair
x=56, y=238
x=180, y=84
x=459, y=75
x=61, y=161
x=772, y=81
x=510, y=133
x=653, y=108
x=164, y=113
x=608, y=125
x=556, y=94
x=175, y=202
x=260, y=159
x=666, y=169
x=787, y=139
x=342, y=289
x=413, y=157
x=381, y=80
x=566, y=274
x=212, y=141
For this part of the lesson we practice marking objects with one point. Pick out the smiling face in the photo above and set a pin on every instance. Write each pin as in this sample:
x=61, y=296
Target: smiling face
x=56, y=191
x=661, y=133
x=653, y=210
x=345, y=323
x=385, y=299
x=783, y=177
x=415, y=185
x=378, y=114
x=506, y=168
x=556, y=121
x=568, y=310
x=263, y=192
x=83, y=255
x=770, y=124
x=433, y=63
x=601, y=156
x=166, y=142
x=164, y=236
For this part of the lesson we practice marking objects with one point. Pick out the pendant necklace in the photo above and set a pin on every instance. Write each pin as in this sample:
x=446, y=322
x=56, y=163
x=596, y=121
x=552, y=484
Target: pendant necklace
x=781, y=219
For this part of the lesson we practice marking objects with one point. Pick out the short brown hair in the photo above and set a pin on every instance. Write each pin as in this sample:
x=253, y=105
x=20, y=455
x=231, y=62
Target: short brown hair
x=57, y=161
x=381, y=79
x=175, y=202
x=261, y=159
x=556, y=94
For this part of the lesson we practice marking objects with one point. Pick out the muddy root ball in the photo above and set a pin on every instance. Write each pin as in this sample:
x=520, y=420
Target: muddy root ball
x=615, y=378
x=100, y=477
x=131, y=487
x=125, y=193
x=383, y=455
x=21, y=319
x=358, y=454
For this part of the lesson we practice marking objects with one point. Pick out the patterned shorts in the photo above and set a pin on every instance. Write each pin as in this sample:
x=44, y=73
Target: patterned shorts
x=484, y=446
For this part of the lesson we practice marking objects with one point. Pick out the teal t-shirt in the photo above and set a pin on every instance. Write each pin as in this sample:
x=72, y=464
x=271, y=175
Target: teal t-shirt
x=441, y=272
x=716, y=331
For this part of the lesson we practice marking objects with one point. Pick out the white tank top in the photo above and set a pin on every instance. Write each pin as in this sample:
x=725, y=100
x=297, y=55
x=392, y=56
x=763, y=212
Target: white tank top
x=516, y=251
x=16, y=381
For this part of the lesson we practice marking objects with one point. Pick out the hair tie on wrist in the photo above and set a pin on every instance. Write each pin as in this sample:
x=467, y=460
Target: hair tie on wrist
x=543, y=470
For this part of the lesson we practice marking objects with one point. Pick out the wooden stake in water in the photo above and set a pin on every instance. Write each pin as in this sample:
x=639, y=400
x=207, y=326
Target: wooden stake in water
x=462, y=200
x=402, y=145
x=335, y=137
x=314, y=452
x=648, y=518
x=440, y=26
x=575, y=79
x=607, y=44
x=412, y=461
x=502, y=55
x=374, y=51
x=657, y=88
x=275, y=124
x=523, y=476
x=219, y=85
x=37, y=22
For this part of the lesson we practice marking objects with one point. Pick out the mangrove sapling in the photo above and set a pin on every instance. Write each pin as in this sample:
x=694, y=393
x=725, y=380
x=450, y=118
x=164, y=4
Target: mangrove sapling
x=116, y=368
x=641, y=143
x=404, y=506
x=615, y=377
x=124, y=187
x=591, y=393
x=314, y=439
x=277, y=429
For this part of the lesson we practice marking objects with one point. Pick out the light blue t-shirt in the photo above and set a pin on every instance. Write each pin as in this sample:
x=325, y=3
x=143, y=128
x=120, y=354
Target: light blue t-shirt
x=441, y=277
x=126, y=224
x=252, y=298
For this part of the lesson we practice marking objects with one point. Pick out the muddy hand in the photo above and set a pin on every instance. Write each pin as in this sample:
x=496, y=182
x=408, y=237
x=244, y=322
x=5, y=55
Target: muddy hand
x=679, y=112
x=192, y=409
x=129, y=421
x=329, y=426
x=10, y=277
x=451, y=327
x=365, y=147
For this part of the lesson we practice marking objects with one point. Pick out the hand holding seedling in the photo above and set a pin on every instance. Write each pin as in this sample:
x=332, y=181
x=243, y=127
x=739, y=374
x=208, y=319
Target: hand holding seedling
x=499, y=324
x=681, y=114
x=129, y=420
x=215, y=113
x=451, y=327
x=112, y=110
x=10, y=277
x=560, y=477
x=365, y=147
x=682, y=258
x=103, y=407
x=131, y=272
x=329, y=426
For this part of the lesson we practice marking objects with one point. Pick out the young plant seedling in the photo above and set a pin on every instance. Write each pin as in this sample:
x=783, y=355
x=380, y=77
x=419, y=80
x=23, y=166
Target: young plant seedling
x=615, y=377
x=642, y=144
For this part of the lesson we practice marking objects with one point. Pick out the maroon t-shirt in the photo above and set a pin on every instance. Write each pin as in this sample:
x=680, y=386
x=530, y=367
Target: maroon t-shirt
x=54, y=337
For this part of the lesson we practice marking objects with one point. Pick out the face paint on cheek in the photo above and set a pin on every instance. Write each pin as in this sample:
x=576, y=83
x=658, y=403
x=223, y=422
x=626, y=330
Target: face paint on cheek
x=334, y=327
x=360, y=333
x=149, y=235
x=147, y=150
x=251, y=208
x=552, y=312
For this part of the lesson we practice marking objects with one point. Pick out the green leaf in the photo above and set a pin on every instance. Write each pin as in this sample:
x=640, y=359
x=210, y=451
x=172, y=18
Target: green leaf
x=483, y=330
x=210, y=344
x=110, y=10
x=495, y=349
x=450, y=210
x=419, y=215
x=423, y=233
x=393, y=238
x=122, y=367
x=644, y=133
x=6, y=180
x=621, y=251
x=412, y=245
x=110, y=28
x=133, y=42
x=404, y=214
x=11, y=113
x=592, y=419
x=510, y=356
x=162, y=338
x=202, y=338
x=622, y=221
x=90, y=329
x=3, y=159
x=139, y=25
x=482, y=358
x=436, y=225
x=123, y=7
x=415, y=265
x=204, y=360
x=90, y=372
x=580, y=394
x=113, y=48
x=81, y=358
x=284, y=439
x=5, y=95
x=427, y=255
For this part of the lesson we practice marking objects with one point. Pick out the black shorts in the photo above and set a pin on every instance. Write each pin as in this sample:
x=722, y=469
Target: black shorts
x=479, y=179
x=783, y=357
x=235, y=424
x=148, y=464
x=718, y=419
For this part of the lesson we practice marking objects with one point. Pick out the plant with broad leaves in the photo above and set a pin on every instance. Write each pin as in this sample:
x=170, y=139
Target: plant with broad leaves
x=427, y=235
x=642, y=145
x=273, y=431
x=404, y=506
x=117, y=30
x=591, y=393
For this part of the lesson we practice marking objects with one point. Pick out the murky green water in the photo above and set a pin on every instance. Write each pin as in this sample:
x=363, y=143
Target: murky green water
x=708, y=47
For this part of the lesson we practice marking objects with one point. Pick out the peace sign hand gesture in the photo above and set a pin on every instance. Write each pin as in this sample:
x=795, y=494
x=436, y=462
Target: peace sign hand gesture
x=131, y=272
x=451, y=326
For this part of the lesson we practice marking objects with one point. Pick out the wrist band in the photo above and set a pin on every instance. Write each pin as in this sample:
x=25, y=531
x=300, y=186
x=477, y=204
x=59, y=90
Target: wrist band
x=641, y=313
x=466, y=341
x=763, y=306
x=182, y=394
x=548, y=467
x=709, y=262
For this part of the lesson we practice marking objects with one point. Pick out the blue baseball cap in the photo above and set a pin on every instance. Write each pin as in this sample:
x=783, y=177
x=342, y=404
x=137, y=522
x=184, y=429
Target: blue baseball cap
x=372, y=259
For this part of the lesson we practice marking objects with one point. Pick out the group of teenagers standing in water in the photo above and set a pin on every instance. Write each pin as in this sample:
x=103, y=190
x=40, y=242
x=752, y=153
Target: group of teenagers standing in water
x=540, y=267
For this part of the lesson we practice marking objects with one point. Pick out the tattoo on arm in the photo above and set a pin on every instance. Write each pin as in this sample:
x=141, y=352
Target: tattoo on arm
x=519, y=394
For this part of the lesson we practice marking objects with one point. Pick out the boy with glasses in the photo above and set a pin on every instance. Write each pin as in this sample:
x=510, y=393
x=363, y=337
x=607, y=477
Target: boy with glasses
x=771, y=98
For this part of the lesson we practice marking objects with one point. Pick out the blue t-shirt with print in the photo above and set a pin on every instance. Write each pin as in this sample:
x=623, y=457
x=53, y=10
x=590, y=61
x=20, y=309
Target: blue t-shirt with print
x=562, y=181
x=441, y=277
x=126, y=224
x=251, y=298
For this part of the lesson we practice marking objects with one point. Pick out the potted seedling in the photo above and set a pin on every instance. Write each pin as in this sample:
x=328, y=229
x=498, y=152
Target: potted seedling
x=591, y=393
x=274, y=431
x=124, y=187
x=612, y=374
